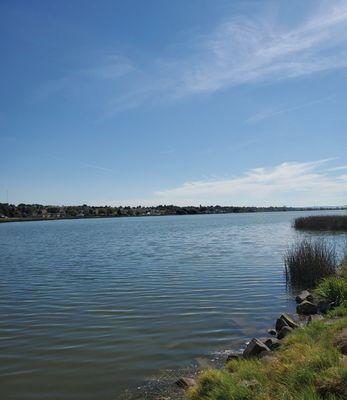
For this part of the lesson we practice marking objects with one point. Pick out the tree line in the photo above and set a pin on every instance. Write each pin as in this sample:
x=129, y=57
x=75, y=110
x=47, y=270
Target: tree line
x=39, y=211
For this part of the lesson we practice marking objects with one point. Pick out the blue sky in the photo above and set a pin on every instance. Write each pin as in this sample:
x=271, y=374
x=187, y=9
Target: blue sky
x=184, y=102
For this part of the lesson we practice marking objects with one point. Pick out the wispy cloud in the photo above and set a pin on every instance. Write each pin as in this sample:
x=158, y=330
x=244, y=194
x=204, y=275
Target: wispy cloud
x=242, y=50
x=290, y=183
x=271, y=112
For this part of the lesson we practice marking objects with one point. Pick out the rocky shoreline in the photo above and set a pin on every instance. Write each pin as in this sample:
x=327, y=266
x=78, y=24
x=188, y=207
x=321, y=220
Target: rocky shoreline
x=174, y=384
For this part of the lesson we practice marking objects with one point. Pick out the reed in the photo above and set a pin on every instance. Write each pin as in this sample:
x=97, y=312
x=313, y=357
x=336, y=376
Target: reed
x=309, y=261
x=322, y=223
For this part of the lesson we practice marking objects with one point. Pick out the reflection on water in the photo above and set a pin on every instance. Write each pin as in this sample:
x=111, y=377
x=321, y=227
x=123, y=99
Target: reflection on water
x=91, y=307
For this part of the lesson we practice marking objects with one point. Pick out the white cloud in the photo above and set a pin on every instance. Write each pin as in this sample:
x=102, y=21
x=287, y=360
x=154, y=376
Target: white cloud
x=290, y=183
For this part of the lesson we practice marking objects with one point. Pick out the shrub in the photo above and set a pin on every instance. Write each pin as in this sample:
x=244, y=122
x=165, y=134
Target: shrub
x=333, y=290
x=322, y=223
x=307, y=262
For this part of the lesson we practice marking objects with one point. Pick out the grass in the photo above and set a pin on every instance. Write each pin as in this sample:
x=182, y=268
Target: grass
x=332, y=290
x=306, y=367
x=322, y=223
x=308, y=262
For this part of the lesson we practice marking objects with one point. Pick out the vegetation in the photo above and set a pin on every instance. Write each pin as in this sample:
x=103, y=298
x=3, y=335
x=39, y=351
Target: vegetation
x=306, y=367
x=333, y=290
x=322, y=223
x=39, y=211
x=309, y=261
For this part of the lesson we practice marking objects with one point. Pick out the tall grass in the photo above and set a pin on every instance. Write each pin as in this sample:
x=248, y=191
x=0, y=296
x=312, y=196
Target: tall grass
x=322, y=223
x=309, y=261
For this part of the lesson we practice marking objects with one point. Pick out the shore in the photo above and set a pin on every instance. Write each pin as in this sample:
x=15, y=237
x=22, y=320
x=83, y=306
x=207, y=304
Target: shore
x=303, y=353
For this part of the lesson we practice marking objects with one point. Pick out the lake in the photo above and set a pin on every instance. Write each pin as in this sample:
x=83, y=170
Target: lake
x=91, y=307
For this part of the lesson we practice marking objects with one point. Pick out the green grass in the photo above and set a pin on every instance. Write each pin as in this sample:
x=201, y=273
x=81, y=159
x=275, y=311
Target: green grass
x=306, y=367
x=332, y=290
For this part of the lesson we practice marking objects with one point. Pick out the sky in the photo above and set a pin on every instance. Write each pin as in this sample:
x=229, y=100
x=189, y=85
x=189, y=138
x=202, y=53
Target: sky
x=239, y=102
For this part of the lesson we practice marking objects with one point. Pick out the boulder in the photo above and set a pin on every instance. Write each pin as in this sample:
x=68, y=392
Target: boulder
x=304, y=295
x=268, y=358
x=340, y=341
x=284, y=332
x=251, y=384
x=185, y=382
x=285, y=320
x=234, y=356
x=272, y=332
x=306, y=308
x=254, y=348
x=316, y=317
x=323, y=306
x=272, y=343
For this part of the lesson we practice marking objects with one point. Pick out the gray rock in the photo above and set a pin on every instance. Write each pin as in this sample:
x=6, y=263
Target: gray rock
x=316, y=317
x=234, y=356
x=254, y=348
x=268, y=358
x=253, y=383
x=185, y=382
x=272, y=343
x=324, y=306
x=285, y=320
x=340, y=341
x=272, y=332
x=306, y=308
x=304, y=295
x=284, y=332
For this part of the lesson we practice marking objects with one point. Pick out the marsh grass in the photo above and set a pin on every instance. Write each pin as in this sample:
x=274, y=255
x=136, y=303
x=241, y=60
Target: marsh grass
x=322, y=223
x=306, y=367
x=309, y=261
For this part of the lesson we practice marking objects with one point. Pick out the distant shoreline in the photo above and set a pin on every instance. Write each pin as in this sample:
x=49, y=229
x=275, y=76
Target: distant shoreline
x=246, y=211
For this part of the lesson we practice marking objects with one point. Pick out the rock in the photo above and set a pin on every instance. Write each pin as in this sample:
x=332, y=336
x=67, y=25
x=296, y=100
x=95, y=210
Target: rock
x=234, y=356
x=249, y=383
x=268, y=358
x=340, y=341
x=272, y=332
x=185, y=382
x=254, y=348
x=272, y=343
x=285, y=320
x=284, y=332
x=306, y=308
x=316, y=317
x=304, y=295
x=324, y=306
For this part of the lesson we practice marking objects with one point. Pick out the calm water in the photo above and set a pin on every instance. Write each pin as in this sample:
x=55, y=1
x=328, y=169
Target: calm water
x=90, y=307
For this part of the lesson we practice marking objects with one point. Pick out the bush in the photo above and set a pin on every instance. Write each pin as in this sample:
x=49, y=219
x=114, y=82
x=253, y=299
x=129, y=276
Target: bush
x=308, y=262
x=333, y=290
x=322, y=223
